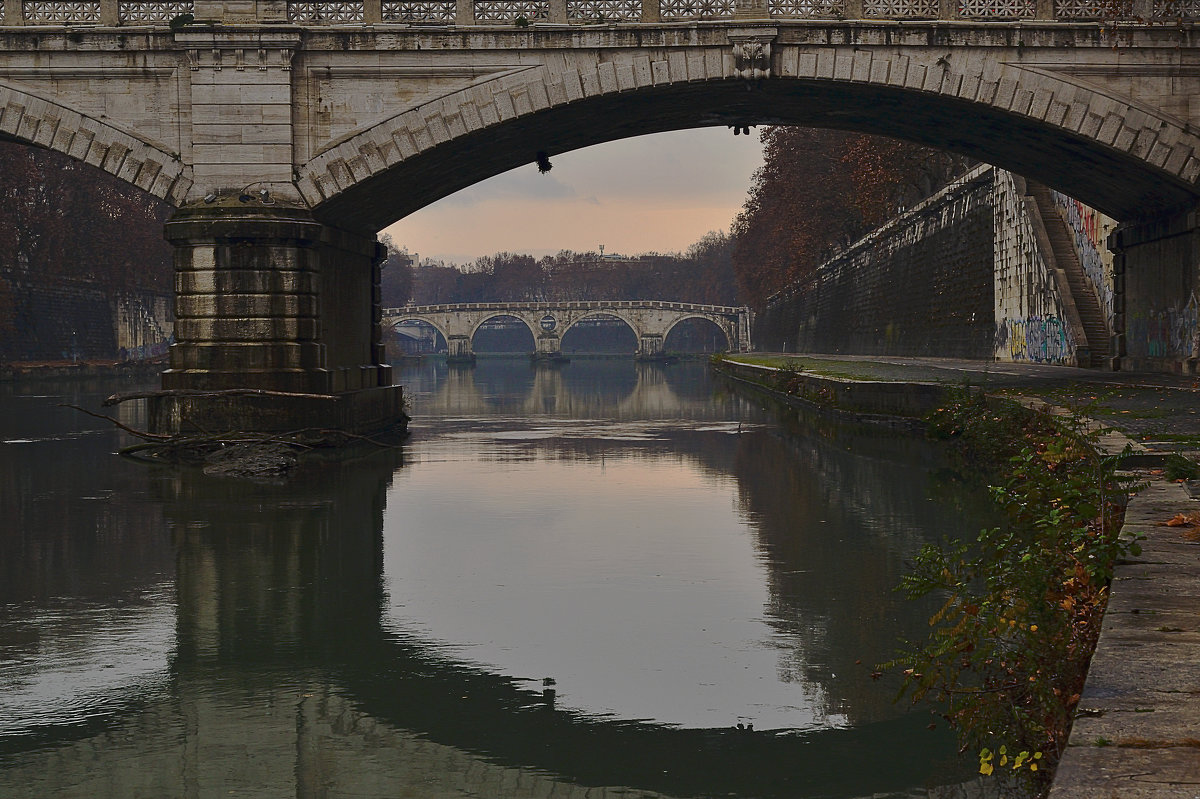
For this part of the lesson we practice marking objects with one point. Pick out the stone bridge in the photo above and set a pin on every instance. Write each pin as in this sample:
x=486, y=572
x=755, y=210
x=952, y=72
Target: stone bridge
x=288, y=132
x=650, y=321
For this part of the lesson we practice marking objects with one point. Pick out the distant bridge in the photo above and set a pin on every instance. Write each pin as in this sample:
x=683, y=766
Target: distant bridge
x=650, y=321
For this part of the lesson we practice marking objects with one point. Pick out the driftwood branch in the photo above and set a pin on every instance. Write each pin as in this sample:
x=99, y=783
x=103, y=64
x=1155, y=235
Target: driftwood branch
x=227, y=392
x=139, y=433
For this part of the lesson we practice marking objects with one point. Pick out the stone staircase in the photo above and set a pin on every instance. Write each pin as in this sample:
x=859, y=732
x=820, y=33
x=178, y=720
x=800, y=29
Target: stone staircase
x=1062, y=244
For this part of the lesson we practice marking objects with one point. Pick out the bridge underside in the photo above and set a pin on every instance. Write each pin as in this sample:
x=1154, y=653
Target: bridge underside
x=1107, y=179
x=286, y=148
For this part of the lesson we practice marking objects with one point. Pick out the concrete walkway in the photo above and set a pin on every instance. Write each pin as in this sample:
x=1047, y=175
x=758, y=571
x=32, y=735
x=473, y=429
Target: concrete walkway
x=1137, y=728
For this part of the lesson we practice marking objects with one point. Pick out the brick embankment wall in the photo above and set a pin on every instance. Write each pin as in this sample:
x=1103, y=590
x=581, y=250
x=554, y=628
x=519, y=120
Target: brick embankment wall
x=962, y=275
x=55, y=321
x=62, y=320
x=920, y=285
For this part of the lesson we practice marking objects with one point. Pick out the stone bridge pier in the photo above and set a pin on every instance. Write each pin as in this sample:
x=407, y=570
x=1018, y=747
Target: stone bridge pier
x=650, y=346
x=277, y=323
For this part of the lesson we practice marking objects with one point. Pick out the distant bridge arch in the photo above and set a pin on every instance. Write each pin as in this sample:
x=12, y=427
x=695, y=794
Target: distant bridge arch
x=502, y=315
x=650, y=321
x=730, y=343
x=603, y=315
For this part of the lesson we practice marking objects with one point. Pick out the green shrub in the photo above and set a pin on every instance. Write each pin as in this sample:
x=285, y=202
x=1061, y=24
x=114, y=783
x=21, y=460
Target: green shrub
x=1008, y=650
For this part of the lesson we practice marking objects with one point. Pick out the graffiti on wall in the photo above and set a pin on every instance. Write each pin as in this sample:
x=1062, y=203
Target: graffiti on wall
x=1173, y=332
x=145, y=352
x=1090, y=228
x=1036, y=339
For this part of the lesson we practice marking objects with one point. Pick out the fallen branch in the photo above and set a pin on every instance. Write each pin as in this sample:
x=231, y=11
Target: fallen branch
x=225, y=392
x=155, y=437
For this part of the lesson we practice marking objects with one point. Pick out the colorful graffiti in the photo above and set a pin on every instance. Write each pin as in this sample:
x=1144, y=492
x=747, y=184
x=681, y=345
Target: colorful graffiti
x=145, y=352
x=1169, y=333
x=1091, y=232
x=1036, y=339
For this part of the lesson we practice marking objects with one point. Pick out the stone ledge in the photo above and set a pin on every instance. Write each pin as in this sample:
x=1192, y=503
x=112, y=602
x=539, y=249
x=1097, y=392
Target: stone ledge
x=357, y=412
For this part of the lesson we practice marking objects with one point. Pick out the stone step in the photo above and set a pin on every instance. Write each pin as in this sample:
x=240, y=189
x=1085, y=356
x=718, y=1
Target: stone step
x=1062, y=242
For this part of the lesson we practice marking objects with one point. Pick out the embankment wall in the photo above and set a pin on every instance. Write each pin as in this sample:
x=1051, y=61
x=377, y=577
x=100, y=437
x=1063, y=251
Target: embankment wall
x=65, y=320
x=960, y=275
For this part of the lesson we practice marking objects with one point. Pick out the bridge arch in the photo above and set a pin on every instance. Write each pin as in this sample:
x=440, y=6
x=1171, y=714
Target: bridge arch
x=395, y=321
x=1117, y=154
x=502, y=314
x=42, y=122
x=605, y=312
x=731, y=344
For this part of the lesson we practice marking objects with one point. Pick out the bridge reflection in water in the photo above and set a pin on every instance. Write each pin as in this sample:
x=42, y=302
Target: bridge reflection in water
x=290, y=676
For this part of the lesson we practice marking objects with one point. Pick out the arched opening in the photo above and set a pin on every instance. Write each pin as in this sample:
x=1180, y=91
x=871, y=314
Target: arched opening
x=1074, y=159
x=414, y=337
x=84, y=271
x=600, y=334
x=503, y=335
x=696, y=334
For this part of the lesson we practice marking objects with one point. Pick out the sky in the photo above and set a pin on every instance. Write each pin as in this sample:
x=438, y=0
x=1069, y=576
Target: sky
x=656, y=193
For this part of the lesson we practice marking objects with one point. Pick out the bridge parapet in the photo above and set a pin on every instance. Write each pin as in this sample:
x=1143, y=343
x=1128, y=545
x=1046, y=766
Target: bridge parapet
x=521, y=13
x=571, y=305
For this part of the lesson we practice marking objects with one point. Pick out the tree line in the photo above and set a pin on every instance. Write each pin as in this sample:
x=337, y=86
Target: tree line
x=702, y=274
x=819, y=191
x=63, y=220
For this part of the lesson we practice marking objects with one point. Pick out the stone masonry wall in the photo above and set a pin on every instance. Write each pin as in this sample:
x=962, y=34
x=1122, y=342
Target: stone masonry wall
x=960, y=275
x=64, y=320
x=1030, y=323
x=920, y=285
x=1157, y=272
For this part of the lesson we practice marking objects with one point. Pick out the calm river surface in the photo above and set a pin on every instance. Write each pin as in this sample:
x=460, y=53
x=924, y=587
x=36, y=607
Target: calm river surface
x=602, y=580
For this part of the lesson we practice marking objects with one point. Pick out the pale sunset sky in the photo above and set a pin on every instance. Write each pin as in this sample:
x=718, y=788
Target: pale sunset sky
x=655, y=193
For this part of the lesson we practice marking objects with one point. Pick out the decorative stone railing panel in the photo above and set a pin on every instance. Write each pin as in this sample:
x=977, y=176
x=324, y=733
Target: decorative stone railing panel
x=997, y=9
x=807, y=9
x=419, y=11
x=1175, y=9
x=587, y=12
x=511, y=10
x=1093, y=9
x=331, y=12
x=49, y=12
x=901, y=9
x=696, y=9
x=604, y=10
x=136, y=13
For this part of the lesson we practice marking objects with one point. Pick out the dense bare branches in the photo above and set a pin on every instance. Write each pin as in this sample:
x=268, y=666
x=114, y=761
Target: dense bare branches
x=63, y=218
x=703, y=274
x=819, y=190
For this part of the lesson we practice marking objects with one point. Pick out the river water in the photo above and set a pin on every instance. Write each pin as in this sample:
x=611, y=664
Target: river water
x=601, y=580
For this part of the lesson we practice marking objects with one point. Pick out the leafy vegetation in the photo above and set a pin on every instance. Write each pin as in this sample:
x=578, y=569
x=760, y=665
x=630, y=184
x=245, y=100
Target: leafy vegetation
x=1008, y=650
